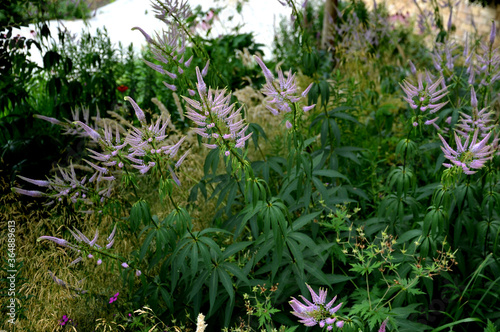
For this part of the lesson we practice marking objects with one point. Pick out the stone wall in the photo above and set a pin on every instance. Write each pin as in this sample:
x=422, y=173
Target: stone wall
x=467, y=18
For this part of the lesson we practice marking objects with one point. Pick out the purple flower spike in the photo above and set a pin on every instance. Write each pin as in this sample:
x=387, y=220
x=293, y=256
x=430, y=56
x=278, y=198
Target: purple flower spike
x=32, y=193
x=382, y=327
x=308, y=108
x=148, y=38
x=267, y=73
x=412, y=68
x=204, y=72
x=473, y=98
x=46, y=118
x=138, y=112
x=306, y=91
x=58, y=241
x=188, y=62
x=170, y=86
x=91, y=132
x=202, y=87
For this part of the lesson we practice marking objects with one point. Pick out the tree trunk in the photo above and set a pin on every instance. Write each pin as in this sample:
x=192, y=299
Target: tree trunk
x=329, y=19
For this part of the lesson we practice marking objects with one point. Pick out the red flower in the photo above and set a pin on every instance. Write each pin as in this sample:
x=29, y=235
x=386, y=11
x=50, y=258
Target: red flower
x=122, y=88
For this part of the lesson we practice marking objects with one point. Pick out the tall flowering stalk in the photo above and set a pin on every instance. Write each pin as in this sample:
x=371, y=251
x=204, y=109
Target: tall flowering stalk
x=218, y=121
x=424, y=98
x=285, y=99
x=284, y=92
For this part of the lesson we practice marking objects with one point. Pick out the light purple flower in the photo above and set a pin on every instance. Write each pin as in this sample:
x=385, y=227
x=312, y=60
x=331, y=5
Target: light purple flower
x=468, y=155
x=138, y=112
x=284, y=92
x=124, y=265
x=51, y=120
x=317, y=311
x=32, y=193
x=267, y=73
x=58, y=241
x=204, y=72
x=90, y=132
x=383, y=326
x=217, y=119
x=148, y=38
x=170, y=86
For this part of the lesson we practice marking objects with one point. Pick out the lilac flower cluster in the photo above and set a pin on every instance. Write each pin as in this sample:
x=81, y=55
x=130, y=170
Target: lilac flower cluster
x=66, y=185
x=284, y=93
x=444, y=57
x=472, y=138
x=360, y=38
x=143, y=148
x=481, y=121
x=218, y=121
x=425, y=97
x=80, y=237
x=317, y=312
x=169, y=47
x=469, y=155
x=69, y=125
x=487, y=64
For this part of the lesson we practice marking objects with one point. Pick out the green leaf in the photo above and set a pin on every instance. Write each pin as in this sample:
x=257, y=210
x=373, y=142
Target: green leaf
x=213, y=288
x=226, y=282
x=235, y=270
x=304, y=219
x=234, y=248
x=167, y=298
x=296, y=253
x=465, y=320
x=145, y=244
x=194, y=259
x=330, y=173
